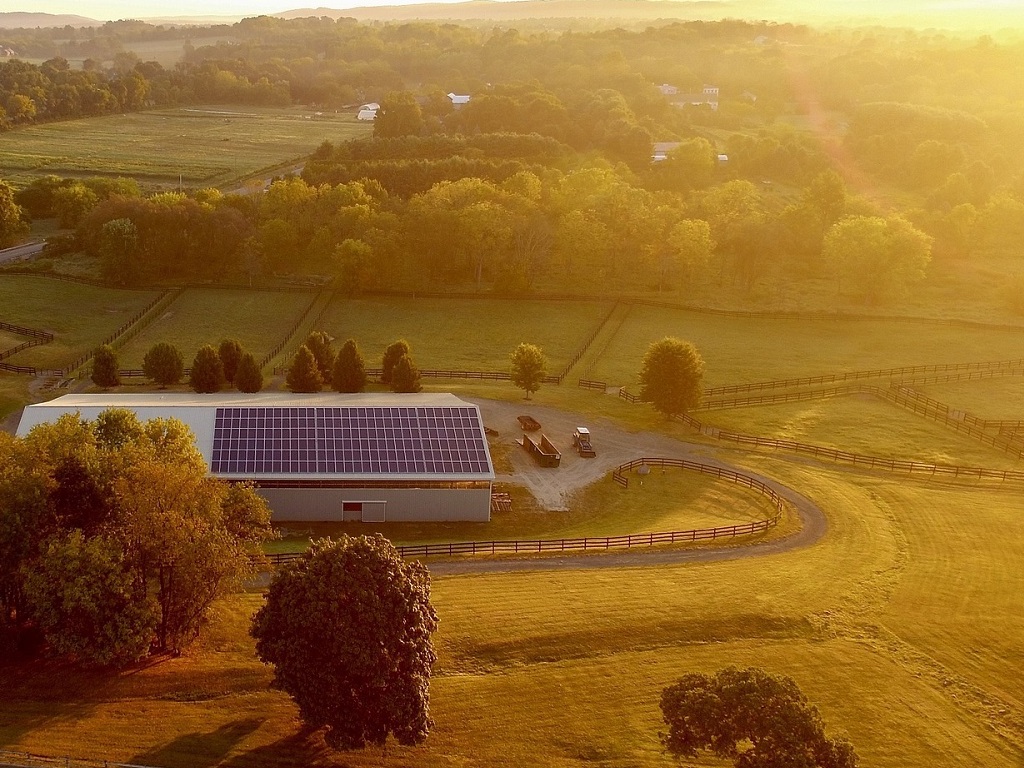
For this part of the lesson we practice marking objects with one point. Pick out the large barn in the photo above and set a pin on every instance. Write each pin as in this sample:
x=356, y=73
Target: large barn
x=370, y=457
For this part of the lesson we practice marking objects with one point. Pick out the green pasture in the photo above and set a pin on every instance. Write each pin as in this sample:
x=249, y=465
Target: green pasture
x=205, y=146
x=13, y=393
x=9, y=340
x=258, y=319
x=464, y=334
x=997, y=398
x=738, y=350
x=862, y=424
x=80, y=316
x=900, y=625
x=673, y=500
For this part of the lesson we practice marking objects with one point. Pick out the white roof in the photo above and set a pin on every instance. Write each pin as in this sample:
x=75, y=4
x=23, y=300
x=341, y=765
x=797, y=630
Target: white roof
x=199, y=413
x=457, y=99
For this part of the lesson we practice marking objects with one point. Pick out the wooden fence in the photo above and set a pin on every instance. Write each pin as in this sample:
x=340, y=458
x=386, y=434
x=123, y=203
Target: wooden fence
x=30, y=760
x=857, y=460
x=595, y=385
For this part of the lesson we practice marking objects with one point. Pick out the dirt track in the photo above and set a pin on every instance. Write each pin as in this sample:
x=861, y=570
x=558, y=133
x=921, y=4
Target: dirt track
x=614, y=446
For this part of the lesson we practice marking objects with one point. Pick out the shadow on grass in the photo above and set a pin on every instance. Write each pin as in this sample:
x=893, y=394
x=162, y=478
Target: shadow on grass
x=199, y=750
x=302, y=749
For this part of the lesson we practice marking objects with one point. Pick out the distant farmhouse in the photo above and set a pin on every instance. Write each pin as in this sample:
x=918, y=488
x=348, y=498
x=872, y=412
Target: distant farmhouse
x=708, y=95
x=326, y=457
x=457, y=100
x=368, y=111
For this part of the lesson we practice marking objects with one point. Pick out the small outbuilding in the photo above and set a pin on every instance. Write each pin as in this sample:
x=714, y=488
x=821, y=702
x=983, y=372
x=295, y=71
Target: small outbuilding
x=326, y=457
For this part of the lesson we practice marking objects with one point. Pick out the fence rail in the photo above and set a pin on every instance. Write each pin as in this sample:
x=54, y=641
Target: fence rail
x=30, y=760
x=596, y=385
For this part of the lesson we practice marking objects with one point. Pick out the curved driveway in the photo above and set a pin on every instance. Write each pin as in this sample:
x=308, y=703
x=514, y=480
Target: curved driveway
x=614, y=446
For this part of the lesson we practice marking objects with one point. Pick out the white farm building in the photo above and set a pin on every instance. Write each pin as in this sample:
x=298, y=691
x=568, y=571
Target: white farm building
x=371, y=457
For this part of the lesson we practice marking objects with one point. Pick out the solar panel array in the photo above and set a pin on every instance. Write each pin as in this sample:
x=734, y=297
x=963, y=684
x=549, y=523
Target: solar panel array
x=354, y=440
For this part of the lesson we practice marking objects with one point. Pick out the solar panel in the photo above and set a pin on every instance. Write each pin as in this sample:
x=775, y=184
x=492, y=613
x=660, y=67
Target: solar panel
x=367, y=440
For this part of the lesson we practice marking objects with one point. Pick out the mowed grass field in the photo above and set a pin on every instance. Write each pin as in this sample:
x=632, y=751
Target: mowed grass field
x=996, y=398
x=738, y=350
x=199, y=316
x=208, y=146
x=464, y=334
x=79, y=316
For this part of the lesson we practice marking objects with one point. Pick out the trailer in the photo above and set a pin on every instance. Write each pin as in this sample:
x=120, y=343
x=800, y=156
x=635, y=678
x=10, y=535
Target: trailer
x=528, y=423
x=581, y=442
x=543, y=450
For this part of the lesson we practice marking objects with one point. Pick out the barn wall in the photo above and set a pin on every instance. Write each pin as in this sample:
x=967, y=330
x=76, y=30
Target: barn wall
x=403, y=504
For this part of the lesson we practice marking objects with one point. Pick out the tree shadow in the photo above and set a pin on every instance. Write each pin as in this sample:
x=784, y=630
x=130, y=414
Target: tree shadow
x=200, y=750
x=303, y=748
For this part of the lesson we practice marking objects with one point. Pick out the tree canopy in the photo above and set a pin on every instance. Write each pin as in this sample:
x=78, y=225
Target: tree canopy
x=349, y=373
x=671, y=376
x=248, y=377
x=303, y=373
x=207, y=374
x=394, y=351
x=348, y=630
x=115, y=539
x=104, y=367
x=757, y=719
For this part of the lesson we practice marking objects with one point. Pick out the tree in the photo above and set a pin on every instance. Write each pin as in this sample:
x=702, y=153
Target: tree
x=230, y=353
x=399, y=115
x=349, y=373
x=406, y=376
x=163, y=364
x=303, y=373
x=249, y=377
x=113, y=534
x=119, y=252
x=347, y=628
x=392, y=354
x=670, y=376
x=726, y=712
x=319, y=343
x=529, y=367
x=12, y=225
x=104, y=367
x=82, y=595
x=207, y=373
x=875, y=258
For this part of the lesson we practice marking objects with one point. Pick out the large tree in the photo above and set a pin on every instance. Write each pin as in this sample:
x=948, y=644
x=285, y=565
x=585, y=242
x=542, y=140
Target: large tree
x=347, y=628
x=349, y=373
x=671, y=375
x=207, y=374
x=104, y=367
x=757, y=719
x=319, y=343
x=876, y=259
x=163, y=364
x=529, y=367
x=303, y=373
x=113, y=534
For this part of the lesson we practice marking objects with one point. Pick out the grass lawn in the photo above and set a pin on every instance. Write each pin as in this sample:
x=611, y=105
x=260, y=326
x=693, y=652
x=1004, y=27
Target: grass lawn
x=9, y=340
x=464, y=334
x=207, y=146
x=671, y=501
x=13, y=393
x=862, y=424
x=258, y=319
x=738, y=350
x=80, y=316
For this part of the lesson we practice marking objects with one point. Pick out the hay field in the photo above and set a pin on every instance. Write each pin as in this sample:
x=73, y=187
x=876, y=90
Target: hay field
x=206, y=146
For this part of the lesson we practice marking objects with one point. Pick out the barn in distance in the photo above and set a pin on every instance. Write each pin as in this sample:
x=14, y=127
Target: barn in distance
x=326, y=457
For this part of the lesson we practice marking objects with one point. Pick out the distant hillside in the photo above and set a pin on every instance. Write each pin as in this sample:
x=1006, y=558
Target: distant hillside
x=22, y=19
x=541, y=9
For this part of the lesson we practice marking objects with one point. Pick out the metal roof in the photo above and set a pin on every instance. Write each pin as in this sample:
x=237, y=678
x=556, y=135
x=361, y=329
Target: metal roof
x=422, y=436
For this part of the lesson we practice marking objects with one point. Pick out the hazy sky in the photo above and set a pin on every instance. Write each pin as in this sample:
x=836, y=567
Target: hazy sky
x=141, y=9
